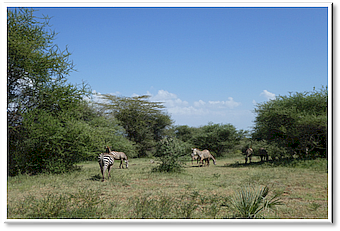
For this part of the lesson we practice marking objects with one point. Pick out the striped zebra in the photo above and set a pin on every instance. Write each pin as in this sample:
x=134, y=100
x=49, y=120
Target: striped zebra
x=105, y=161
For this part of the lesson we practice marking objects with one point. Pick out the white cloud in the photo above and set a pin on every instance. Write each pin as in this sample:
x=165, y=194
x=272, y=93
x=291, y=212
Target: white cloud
x=254, y=102
x=230, y=103
x=164, y=95
x=179, y=108
x=170, y=99
x=199, y=103
x=268, y=95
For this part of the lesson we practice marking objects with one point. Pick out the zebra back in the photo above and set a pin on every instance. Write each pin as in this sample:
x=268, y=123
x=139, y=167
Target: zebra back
x=105, y=159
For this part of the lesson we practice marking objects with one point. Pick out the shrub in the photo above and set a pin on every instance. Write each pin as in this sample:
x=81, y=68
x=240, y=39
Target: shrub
x=169, y=151
x=251, y=202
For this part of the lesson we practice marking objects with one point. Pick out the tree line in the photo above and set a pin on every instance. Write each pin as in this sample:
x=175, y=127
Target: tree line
x=52, y=124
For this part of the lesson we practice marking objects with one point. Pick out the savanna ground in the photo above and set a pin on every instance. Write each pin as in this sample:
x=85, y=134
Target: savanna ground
x=197, y=192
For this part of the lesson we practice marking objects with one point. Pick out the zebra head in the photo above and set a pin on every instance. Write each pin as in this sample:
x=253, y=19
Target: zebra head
x=194, y=151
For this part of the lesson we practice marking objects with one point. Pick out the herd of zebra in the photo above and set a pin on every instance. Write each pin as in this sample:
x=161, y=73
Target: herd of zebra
x=107, y=159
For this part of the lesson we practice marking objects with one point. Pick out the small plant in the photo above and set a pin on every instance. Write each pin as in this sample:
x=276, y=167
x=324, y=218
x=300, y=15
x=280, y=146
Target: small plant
x=251, y=202
x=216, y=175
x=314, y=206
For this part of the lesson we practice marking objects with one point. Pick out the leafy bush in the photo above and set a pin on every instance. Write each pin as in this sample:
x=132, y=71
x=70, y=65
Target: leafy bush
x=217, y=138
x=170, y=151
x=274, y=150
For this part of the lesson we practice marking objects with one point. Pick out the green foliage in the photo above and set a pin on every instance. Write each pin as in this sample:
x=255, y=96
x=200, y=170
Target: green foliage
x=143, y=121
x=185, y=133
x=169, y=151
x=50, y=125
x=106, y=131
x=55, y=143
x=274, y=150
x=295, y=122
x=250, y=202
x=34, y=63
x=217, y=138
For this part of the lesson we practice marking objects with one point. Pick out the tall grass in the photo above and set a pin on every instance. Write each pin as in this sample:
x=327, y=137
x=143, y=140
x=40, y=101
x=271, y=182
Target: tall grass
x=83, y=204
x=248, y=203
x=185, y=206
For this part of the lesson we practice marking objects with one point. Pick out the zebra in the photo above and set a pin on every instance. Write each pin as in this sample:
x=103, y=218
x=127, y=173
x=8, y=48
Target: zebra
x=203, y=155
x=105, y=161
x=263, y=154
x=210, y=157
x=121, y=156
x=249, y=153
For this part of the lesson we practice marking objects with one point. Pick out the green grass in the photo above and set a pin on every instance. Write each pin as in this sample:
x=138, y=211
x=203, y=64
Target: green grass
x=196, y=192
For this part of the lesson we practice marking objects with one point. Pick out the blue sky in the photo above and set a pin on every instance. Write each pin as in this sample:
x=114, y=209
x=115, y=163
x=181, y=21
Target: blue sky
x=206, y=64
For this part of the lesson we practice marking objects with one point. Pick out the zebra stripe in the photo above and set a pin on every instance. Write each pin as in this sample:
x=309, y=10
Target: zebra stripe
x=105, y=161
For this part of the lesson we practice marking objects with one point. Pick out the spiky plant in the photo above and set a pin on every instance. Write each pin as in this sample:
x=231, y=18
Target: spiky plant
x=250, y=202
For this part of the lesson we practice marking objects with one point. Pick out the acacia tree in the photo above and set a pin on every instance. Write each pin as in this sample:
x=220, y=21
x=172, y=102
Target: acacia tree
x=33, y=61
x=143, y=121
x=295, y=122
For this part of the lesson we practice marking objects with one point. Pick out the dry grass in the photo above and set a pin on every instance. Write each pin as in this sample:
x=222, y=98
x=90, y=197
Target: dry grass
x=304, y=191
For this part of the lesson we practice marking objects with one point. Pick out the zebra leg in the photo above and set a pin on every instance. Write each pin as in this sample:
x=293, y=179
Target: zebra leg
x=104, y=173
x=109, y=170
x=101, y=169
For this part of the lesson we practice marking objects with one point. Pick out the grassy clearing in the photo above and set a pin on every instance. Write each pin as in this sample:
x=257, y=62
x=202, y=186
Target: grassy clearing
x=197, y=192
